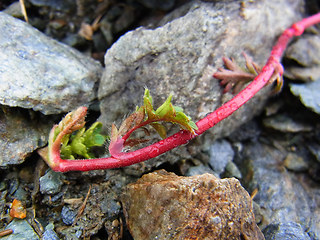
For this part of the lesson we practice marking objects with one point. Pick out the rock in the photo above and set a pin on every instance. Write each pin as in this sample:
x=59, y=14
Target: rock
x=314, y=148
x=198, y=170
x=22, y=131
x=295, y=163
x=68, y=215
x=182, y=53
x=221, y=153
x=41, y=73
x=14, y=10
x=49, y=233
x=284, y=231
x=284, y=123
x=21, y=231
x=162, y=205
x=305, y=51
x=51, y=182
x=232, y=170
x=283, y=196
x=308, y=94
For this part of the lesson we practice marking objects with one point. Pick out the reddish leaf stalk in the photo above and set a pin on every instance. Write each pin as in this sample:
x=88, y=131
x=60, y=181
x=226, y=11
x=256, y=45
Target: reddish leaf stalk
x=272, y=67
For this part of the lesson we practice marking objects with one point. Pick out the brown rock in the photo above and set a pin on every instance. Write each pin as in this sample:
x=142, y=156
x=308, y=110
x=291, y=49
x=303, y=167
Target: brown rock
x=162, y=205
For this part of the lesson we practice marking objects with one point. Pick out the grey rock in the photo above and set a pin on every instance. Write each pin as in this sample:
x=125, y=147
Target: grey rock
x=49, y=233
x=305, y=51
x=199, y=170
x=68, y=215
x=14, y=10
x=284, y=231
x=295, y=162
x=51, y=182
x=22, y=131
x=308, y=94
x=284, y=123
x=110, y=207
x=302, y=74
x=283, y=196
x=232, y=170
x=21, y=231
x=40, y=73
x=315, y=150
x=181, y=55
x=221, y=153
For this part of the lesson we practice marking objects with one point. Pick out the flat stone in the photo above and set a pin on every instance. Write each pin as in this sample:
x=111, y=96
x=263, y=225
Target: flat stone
x=295, y=163
x=308, y=94
x=305, y=51
x=22, y=131
x=21, y=231
x=40, y=73
x=162, y=205
x=285, y=123
x=284, y=231
x=221, y=153
x=51, y=182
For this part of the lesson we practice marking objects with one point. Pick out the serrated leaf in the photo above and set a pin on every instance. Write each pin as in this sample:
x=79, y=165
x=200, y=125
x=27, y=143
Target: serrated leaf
x=147, y=104
x=165, y=109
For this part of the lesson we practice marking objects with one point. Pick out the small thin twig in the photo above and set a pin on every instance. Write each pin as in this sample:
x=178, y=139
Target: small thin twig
x=23, y=10
x=83, y=206
x=6, y=232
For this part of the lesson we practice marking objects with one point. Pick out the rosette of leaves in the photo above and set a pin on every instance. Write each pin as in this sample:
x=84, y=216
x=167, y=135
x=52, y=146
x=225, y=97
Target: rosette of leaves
x=82, y=141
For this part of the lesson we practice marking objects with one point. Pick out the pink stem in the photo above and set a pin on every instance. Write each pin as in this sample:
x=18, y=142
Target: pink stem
x=125, y=159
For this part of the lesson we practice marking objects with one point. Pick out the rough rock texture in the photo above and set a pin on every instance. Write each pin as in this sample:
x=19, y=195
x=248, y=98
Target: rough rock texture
x=40, y=73
x=22, y=131
x=162, y=205
x=181, y=55
x=284, y=231
x=22, y=230
x=308, y=94
x=306, y=53
x=282, y=195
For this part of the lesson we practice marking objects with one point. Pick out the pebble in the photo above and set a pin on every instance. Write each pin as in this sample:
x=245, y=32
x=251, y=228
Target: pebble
x=51, y=182
x=284, y=123
x=221, y=153
x=49, y=233
x=285, y=231
x=295, y=163
x=232, y=170
x=68, y=215
x=198, y=170
x=308, y=94
x=21, y=231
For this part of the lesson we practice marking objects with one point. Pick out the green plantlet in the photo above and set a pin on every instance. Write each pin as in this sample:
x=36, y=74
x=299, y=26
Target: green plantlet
x=146, y=114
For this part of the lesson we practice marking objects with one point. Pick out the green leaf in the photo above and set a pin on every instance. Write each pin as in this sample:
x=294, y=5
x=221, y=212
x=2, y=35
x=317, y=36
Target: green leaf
x=81, y=142
x=166, y=108
x=161, y=130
